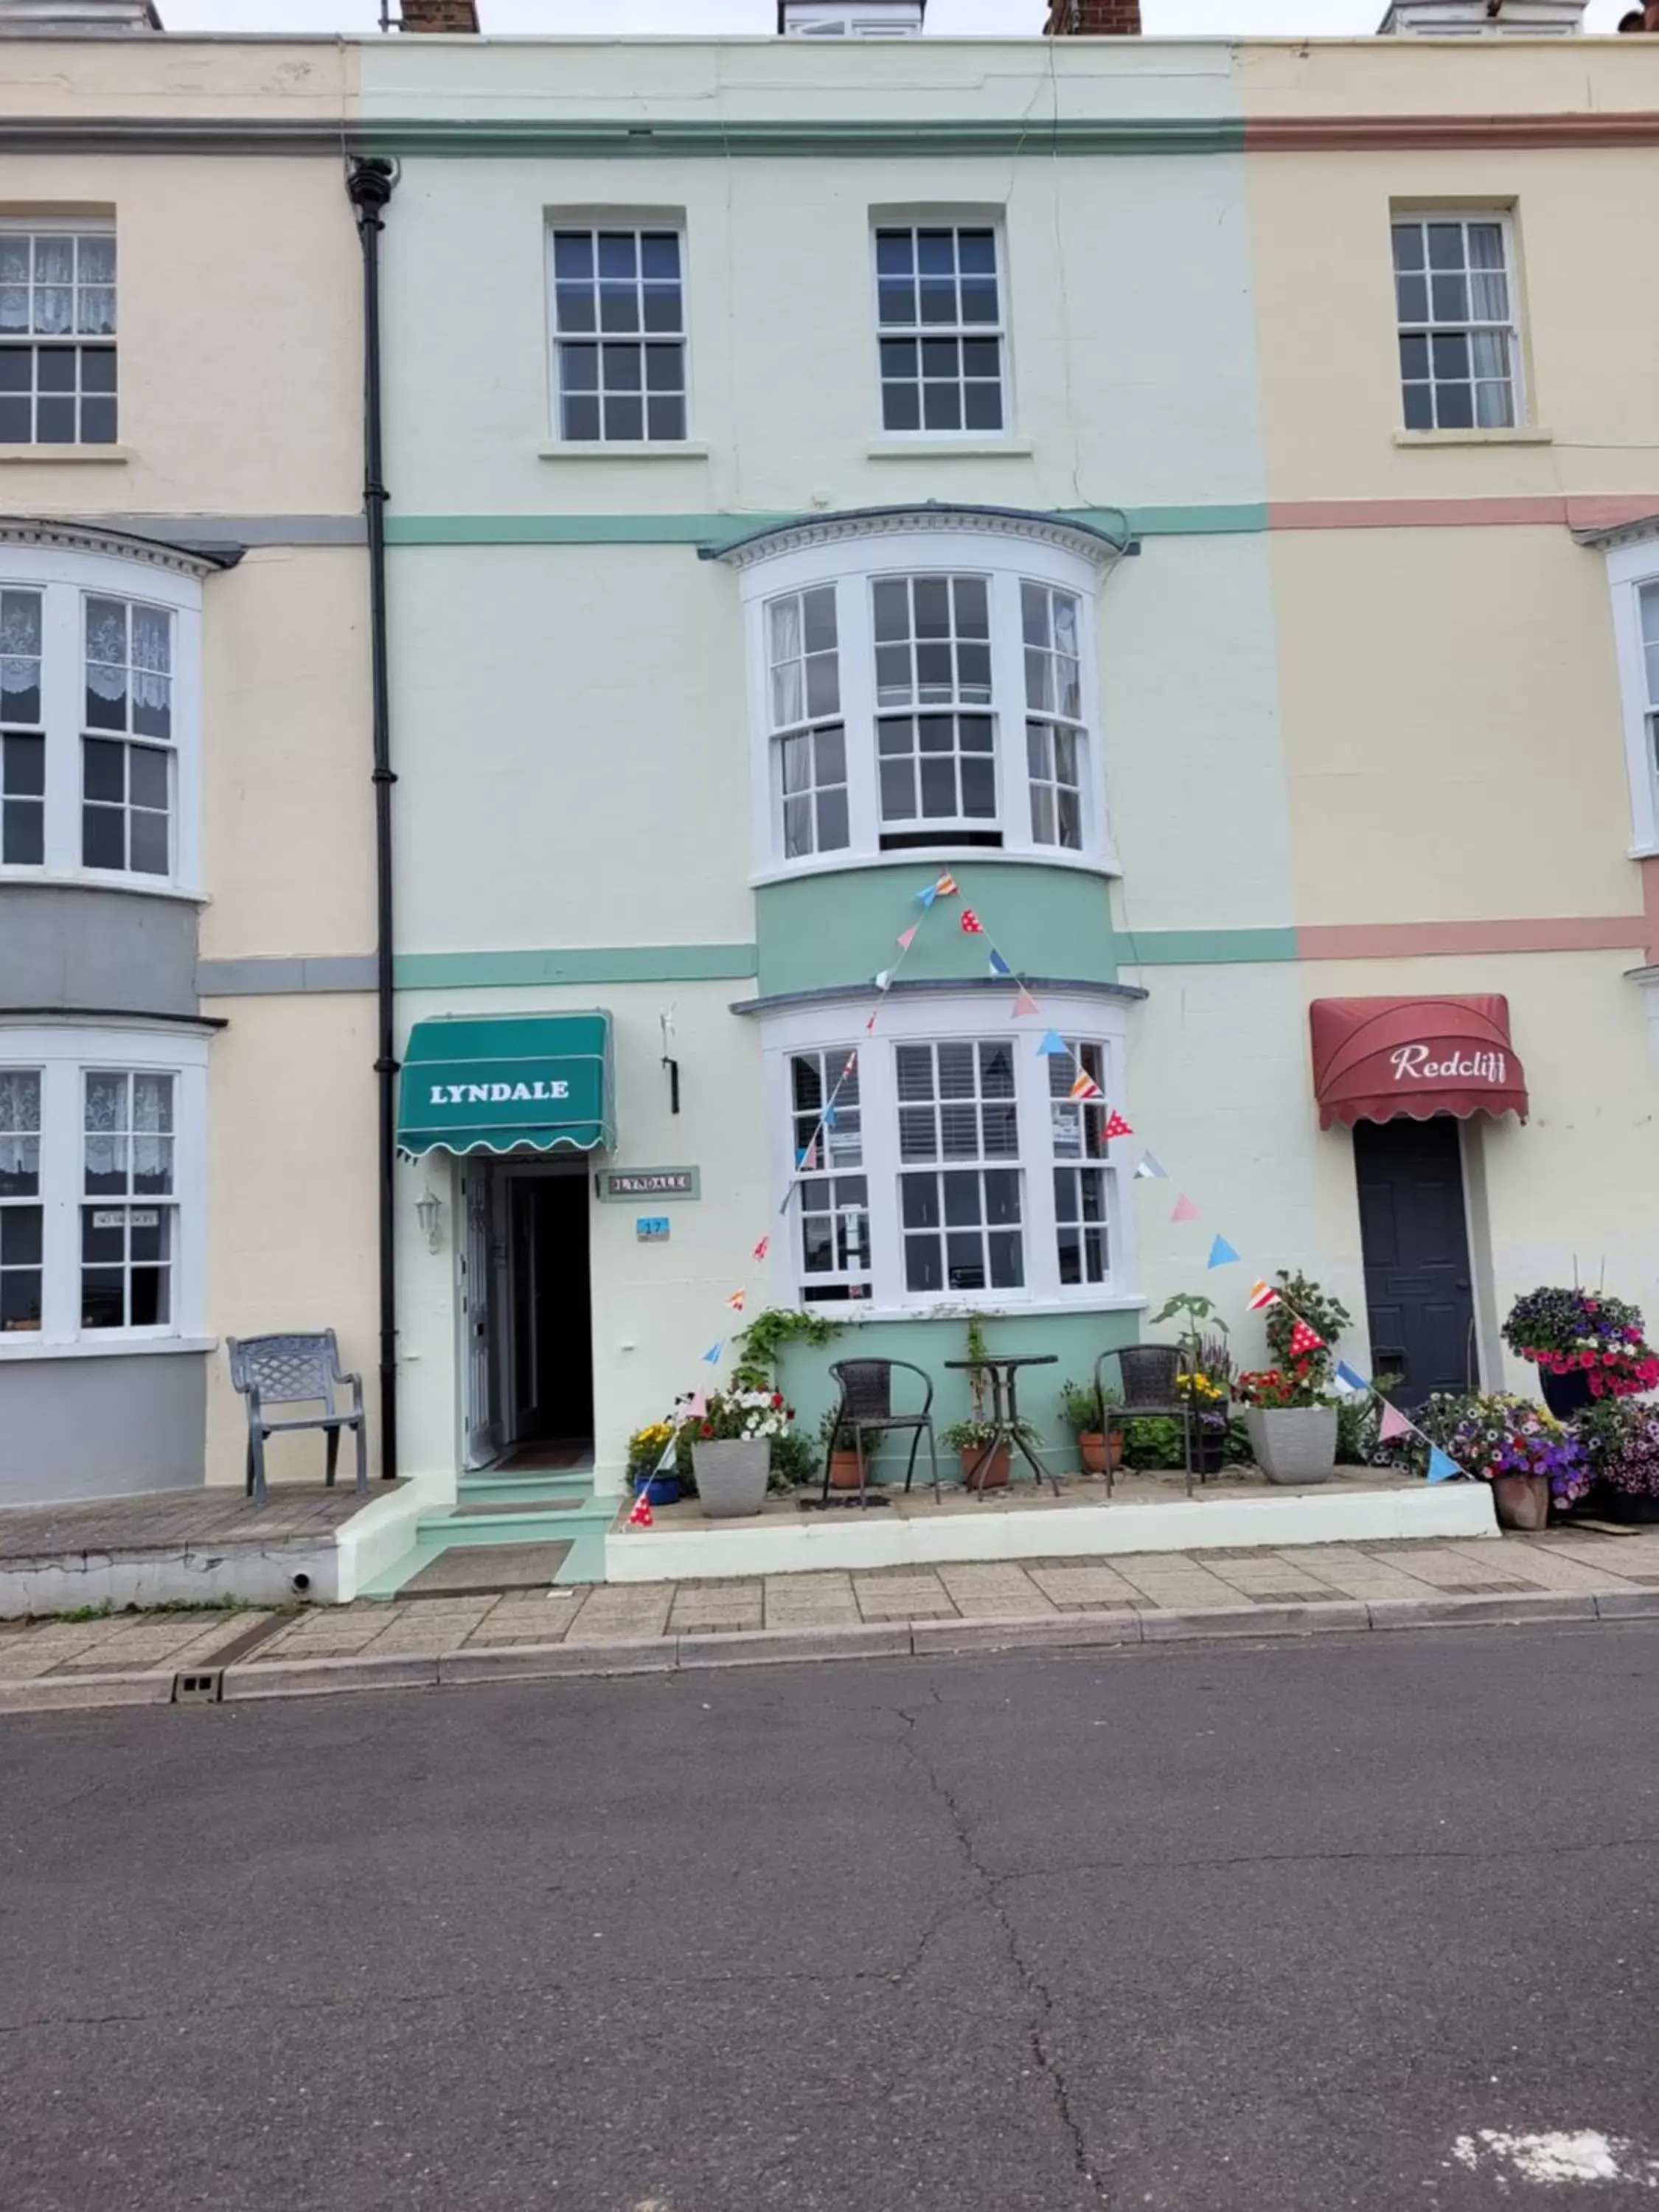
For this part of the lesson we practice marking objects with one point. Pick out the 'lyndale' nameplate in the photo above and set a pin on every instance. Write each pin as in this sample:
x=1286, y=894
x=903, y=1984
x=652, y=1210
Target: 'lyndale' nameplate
x=618, y=1185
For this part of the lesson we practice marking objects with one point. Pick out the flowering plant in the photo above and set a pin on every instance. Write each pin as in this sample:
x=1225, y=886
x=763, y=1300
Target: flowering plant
x=1274, y=1390
x=1623, y=1444
x=739, y=1416
x=1200, y=1390
x=647, y=1446
x=1569, y=1331
x=1496, y=1433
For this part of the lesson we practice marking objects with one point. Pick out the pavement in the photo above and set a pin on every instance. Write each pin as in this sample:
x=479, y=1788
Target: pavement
x=159, y=1658
x=1355, y=1924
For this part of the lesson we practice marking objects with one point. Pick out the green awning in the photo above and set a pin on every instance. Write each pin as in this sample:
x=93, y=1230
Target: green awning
x=480, y=1083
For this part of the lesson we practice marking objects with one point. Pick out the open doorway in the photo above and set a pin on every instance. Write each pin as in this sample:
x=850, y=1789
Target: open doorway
x=526, y=1308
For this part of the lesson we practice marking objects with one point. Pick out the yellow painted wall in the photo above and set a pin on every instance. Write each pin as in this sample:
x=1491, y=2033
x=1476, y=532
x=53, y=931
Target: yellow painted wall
x=287, y=812
x=1453, y=743
x=291, y=1196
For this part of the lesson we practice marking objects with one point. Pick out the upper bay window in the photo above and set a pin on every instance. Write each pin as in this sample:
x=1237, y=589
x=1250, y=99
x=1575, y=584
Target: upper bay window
x=619, y=334
x=929, y=686
x=98, y=715
x=938, y=318
x=1633, y=558
x=1459, y=350
x=57, y=335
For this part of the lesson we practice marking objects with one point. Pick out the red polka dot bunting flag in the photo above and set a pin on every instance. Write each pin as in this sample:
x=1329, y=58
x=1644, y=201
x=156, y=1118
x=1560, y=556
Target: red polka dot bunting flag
x=1116, y=1126
x=1304, y=1339
x=641, y=1517
x=972, y=924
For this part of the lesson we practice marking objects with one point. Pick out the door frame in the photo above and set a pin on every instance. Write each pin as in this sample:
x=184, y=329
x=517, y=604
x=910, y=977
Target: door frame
x=538, y=1167
x=480, y=1167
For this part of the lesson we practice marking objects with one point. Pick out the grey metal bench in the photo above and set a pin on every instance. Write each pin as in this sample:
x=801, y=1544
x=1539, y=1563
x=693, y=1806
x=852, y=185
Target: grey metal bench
x=292, y=1371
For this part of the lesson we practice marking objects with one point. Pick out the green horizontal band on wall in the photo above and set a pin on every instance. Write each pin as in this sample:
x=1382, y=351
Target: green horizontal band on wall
x=715, y=530
x=1197, y=948
x=587, y=963
x=472, y=138
x=833, y=930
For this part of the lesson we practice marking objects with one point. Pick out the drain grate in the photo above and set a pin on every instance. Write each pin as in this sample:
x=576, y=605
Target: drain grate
x=205, y=1686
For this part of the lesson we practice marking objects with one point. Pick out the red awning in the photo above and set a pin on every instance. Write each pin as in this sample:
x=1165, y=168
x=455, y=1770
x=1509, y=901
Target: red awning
x=1374, y=1059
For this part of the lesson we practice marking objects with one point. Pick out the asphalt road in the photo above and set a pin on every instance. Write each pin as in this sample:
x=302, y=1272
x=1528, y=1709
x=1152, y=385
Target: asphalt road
x=1230, y=1929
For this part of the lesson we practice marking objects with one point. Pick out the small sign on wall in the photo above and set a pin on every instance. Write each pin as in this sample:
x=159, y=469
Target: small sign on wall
x=652, y=1228
x=614, y=1184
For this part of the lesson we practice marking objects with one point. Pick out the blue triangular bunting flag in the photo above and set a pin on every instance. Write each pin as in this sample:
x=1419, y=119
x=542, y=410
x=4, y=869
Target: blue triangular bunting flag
x=1348, y=1378
x=1222, y=1254
x=999, y=965
x=829, y=1116
x=713, y=1354
x=1442, y=1467
x=1053, y=1047
x=928, y=896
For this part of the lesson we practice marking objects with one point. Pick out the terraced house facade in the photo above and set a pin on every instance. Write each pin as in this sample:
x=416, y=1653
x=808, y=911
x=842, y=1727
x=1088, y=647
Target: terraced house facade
x=939, y=592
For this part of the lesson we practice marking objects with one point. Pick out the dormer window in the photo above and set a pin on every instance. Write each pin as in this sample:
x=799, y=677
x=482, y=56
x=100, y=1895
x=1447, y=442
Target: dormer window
x=850, y=19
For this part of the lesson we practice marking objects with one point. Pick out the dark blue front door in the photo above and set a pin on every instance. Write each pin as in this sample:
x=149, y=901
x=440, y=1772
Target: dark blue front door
x=1414, y=1237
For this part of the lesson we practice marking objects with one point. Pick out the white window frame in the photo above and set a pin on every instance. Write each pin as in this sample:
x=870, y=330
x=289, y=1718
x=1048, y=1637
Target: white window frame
x=951, y=1016
x=64, y=1054
x=637, y=219
x=1630, y=569
x=952, y=219
x=67, y=578
x=853, y=562
x=73, y=227
x=1504, y=218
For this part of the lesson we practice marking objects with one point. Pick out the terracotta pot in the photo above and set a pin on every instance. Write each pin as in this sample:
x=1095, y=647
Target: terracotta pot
x=1091, y=1448
x=1523, y=1501
x=994, y=1475
x=844, y=1470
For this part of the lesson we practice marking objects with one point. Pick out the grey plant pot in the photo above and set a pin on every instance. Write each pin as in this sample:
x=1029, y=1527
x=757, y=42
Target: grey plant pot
x=731, y=1476
x=1293, y=1443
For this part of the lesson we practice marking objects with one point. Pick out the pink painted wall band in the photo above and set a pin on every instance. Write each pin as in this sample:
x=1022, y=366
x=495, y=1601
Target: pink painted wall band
x=1571, y=511
x=1382, y=940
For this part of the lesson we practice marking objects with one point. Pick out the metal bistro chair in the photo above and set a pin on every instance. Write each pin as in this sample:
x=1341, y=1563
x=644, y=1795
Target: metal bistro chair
x=1149, y=1372
x=292, y=1370
x=866, y=1407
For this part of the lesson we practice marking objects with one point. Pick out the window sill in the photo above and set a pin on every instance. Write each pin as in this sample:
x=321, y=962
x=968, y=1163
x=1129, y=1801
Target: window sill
x=24, y=1344
x=1525, y=435
x=854, y=1312
x=631, y=449
x=930, y=449
x=921, y=858
x=111, y=456
x=91, y=879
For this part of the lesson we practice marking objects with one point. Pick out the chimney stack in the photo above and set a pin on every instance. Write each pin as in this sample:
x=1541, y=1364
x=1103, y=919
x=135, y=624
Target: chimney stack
x=460, y=16
x=1093, y=19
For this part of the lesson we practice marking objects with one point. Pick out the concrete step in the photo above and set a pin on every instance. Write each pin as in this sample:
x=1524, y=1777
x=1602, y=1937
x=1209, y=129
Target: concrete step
x=489, y=1488
x=526, y=1526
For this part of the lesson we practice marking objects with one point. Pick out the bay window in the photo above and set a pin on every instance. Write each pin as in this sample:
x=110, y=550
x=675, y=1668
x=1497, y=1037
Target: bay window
x=101, y=1182
x=99, y=708
x=941, y=1162
x=908, y=701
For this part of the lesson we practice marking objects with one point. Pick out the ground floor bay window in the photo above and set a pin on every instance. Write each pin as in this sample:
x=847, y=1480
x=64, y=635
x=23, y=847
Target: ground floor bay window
x=101, y=1186
x=940, y=1161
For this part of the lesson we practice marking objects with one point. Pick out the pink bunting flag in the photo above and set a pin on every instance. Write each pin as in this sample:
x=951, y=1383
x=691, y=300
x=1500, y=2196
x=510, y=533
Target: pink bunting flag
x=1185, y=1210
x=696, y=1405
x=908, y=937
x=763, y=1248
x=870, y=1024
x=1393, y=1424
x=1023, y=1004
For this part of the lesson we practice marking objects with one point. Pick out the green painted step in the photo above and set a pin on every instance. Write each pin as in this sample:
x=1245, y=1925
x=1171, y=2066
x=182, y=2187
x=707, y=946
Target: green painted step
x=489, y=1489
x=528, y=1526
x=583, y=1562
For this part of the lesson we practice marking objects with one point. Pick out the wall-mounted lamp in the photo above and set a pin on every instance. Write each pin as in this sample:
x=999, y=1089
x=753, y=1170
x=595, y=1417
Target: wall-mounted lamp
x=429, y=1211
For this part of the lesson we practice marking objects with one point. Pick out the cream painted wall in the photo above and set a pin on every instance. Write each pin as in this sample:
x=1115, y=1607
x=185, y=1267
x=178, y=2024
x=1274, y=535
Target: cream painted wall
x=572, y=737
x=1193, y=749
x=1325, y=311
x=1133, y=359
x=1570, y=1193
x=291, y=1198
x=1452, y=726
x=287, y=812
x=239, y=310
x=657, y=1308
x=178, y=78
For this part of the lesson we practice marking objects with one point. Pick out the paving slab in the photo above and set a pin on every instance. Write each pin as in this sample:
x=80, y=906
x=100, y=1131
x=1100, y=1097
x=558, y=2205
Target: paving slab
x=700, y=1606
x=624, y=1610
x=467, y=1568
x=994, y=1593
x=809, y=1602
x=1084, y=1588
x=901, y=1597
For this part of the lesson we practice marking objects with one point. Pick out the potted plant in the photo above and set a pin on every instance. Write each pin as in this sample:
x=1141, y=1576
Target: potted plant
x=732, y=1450
x=839, y=1443
x=1291, y=1421
x=1084, y=1407
x=1584, y=1347
x=646, y=1446
x=970, y=1440
x=1301, y=1298
x=1194, y=1388
x=1531, y=1460
x=1621, y=1442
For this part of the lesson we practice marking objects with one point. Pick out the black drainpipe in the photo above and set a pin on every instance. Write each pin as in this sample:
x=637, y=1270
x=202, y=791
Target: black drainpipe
x=368, y=186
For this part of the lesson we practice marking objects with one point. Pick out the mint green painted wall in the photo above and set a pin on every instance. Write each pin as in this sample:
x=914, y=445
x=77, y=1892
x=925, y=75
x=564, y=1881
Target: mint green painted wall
x=1076, y=1340
x=842, y=927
